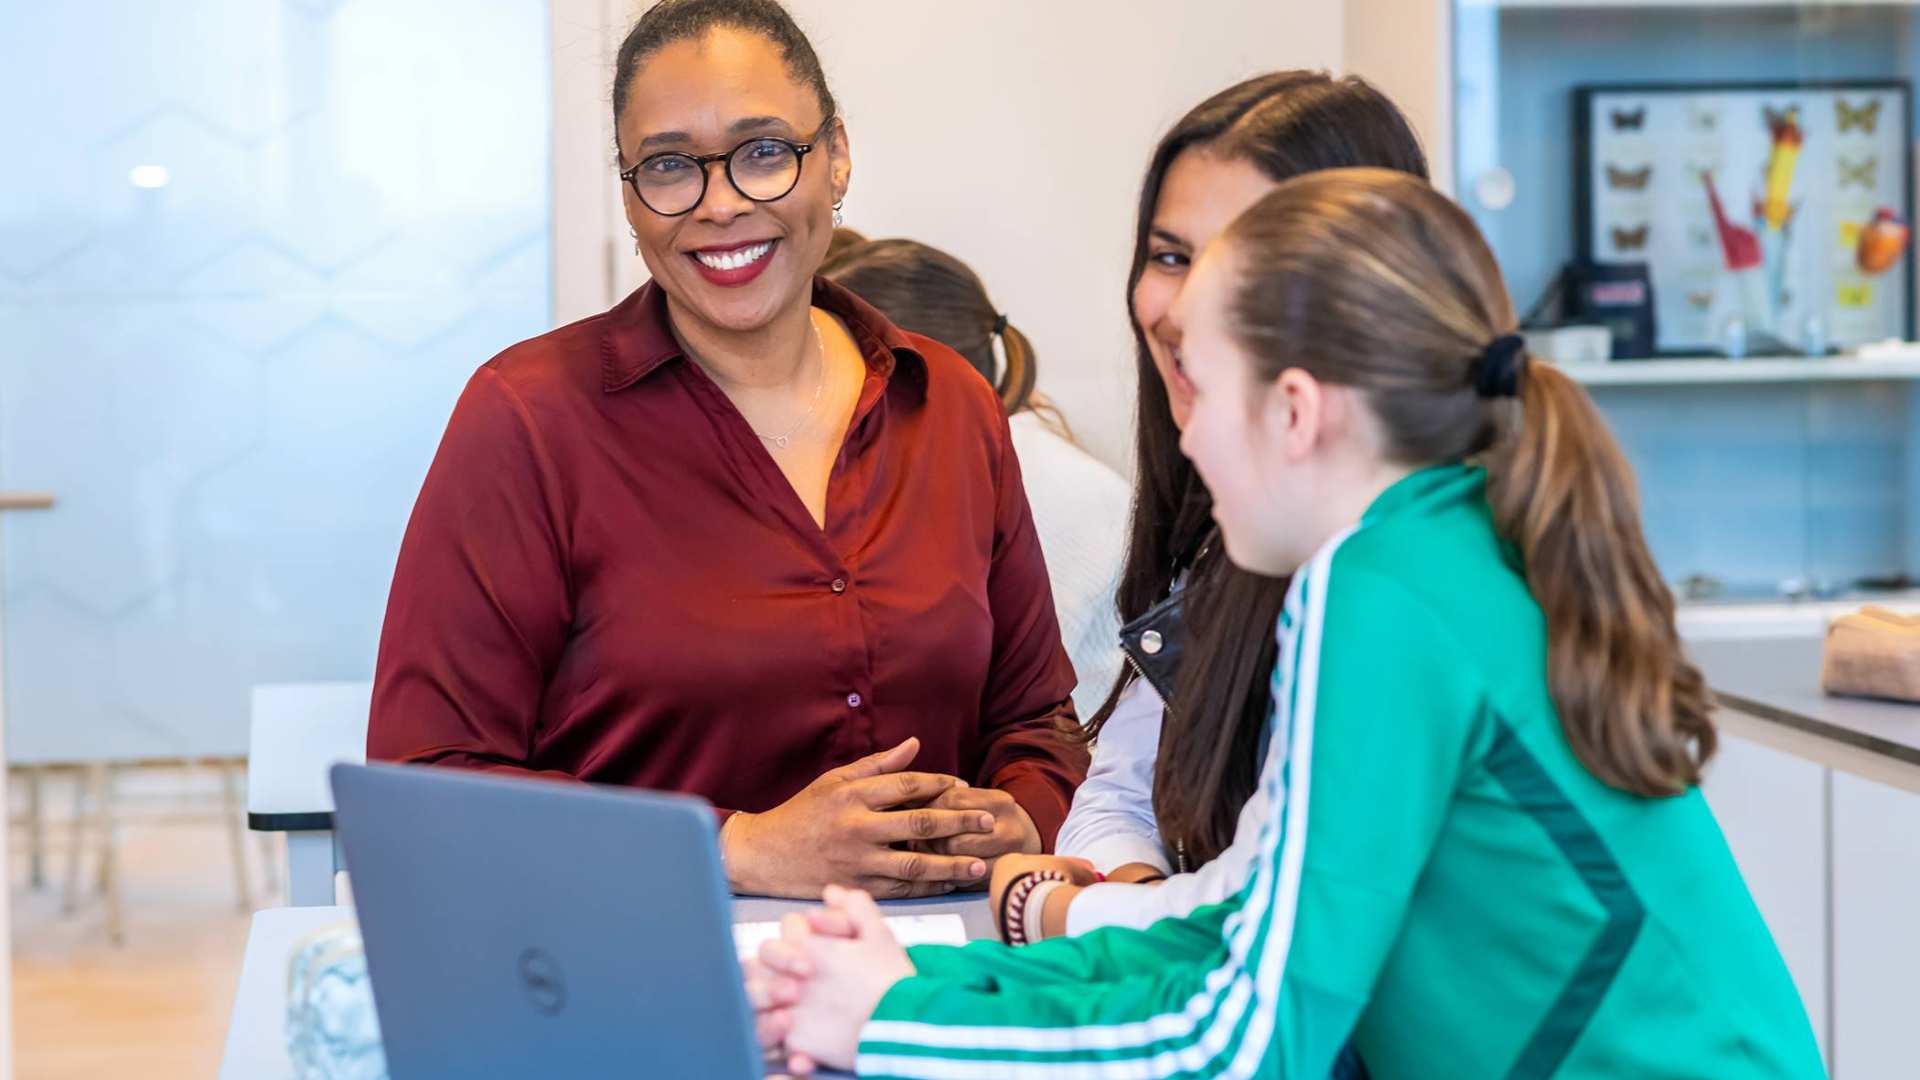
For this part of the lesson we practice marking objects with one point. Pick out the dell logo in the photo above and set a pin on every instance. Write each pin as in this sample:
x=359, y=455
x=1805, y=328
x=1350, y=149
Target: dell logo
x=540, y=977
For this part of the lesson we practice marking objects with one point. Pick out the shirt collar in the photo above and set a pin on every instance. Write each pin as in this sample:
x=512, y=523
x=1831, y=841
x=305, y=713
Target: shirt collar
x=639, y=338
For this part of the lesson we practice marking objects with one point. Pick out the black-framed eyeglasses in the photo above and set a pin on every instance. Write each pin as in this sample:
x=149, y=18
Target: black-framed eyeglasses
x=764, y=170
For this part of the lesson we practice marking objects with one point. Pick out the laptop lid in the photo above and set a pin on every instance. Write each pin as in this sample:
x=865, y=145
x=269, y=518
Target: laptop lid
x=533, y=928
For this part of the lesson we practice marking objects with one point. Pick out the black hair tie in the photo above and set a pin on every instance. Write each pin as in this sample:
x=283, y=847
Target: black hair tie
x=1496, y=374
x=1000, y=324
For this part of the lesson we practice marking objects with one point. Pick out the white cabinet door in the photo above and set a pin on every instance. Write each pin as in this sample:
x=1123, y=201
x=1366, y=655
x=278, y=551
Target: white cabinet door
x=1771, y=806
x=1876, y=931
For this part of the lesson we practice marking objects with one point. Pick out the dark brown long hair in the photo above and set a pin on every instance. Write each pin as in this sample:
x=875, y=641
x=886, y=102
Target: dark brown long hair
x=925, y=290
x=1284, y=124
x=1371, y=279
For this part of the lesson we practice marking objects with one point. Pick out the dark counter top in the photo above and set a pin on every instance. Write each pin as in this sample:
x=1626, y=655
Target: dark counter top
x=1778, y=679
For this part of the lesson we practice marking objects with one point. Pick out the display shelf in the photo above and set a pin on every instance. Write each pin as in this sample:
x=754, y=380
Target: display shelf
x=1724, y=620
x=1704, y=370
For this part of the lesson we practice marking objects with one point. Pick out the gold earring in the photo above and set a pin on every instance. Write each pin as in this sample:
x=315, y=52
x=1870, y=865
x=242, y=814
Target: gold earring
x=839, y=218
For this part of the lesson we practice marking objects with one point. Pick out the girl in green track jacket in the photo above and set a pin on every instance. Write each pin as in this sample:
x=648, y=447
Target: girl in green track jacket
x=1483, y=851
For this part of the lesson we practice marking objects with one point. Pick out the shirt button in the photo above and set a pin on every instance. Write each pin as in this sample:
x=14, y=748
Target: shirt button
x=839, y=585
x=853, y=701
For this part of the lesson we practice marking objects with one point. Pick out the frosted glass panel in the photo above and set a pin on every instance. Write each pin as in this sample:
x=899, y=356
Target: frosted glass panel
x=249, y=252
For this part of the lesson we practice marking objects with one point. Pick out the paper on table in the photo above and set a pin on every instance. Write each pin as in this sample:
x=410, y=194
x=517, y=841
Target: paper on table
x=908, y=929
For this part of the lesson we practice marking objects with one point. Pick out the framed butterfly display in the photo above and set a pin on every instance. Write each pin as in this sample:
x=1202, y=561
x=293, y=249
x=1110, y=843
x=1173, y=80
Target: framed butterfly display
x=1775, y=215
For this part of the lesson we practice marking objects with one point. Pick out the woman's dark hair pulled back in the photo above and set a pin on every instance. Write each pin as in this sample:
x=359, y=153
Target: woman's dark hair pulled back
x=671, y=21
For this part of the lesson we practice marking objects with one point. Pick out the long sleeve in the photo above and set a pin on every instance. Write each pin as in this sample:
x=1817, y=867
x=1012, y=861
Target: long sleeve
x=1140, y=906
x=1026, y=709
x=479, y=608
x=1098, y=957
x=1112, y=822
x=1376, y=719
x=482, y=600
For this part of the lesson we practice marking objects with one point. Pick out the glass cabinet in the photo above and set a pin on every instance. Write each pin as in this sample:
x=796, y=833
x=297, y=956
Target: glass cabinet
x=1704, y=209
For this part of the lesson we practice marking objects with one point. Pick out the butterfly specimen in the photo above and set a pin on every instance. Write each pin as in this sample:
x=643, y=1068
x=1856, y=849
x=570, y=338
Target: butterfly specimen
x=1865, y=118
x=1704, y=119
x=1624, y=120
x=1864, y=173
x=1620, y=179
x=1779, y=118
x=1701, y=300
x=1855, y=294
x=1634, y=239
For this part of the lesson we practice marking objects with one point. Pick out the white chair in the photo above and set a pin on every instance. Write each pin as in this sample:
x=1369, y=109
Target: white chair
x=299, y=731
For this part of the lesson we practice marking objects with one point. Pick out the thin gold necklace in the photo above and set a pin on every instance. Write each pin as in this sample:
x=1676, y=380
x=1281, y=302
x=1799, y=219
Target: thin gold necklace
x=782, y=441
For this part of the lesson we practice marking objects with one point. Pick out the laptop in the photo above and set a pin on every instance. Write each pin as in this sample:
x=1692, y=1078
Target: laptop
x=531, y=928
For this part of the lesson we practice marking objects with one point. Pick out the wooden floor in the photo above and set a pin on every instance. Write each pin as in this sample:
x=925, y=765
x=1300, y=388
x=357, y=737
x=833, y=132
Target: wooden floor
x=155, y=1007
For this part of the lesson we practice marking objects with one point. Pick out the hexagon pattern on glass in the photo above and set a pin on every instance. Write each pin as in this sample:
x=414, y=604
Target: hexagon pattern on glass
x=235, y=321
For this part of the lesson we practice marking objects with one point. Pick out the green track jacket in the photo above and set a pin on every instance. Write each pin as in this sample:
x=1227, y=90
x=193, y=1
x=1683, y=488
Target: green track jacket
x=1439, y=881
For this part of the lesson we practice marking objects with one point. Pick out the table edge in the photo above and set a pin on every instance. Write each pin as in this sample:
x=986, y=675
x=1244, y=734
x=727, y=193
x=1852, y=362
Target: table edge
x=315, y=821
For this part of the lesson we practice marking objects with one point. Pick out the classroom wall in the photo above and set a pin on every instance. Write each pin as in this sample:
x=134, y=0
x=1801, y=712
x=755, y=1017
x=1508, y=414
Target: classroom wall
x=1011, y=133
x=1400, y=47
x=1014, y=135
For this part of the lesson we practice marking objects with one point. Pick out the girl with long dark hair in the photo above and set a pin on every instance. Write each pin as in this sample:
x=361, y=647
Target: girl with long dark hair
x=1164, y=797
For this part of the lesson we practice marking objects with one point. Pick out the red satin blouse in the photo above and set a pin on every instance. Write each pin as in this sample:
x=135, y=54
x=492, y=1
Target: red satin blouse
x=607, y=577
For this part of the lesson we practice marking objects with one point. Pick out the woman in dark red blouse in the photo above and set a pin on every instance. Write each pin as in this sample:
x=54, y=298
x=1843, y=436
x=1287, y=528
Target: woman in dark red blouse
x=740, y=536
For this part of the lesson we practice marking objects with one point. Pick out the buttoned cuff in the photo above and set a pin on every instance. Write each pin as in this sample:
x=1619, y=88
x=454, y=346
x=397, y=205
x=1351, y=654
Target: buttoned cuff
x=1040, y=797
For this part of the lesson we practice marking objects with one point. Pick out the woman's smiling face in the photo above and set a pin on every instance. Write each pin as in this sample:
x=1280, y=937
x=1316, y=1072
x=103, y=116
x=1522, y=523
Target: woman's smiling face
x=731, y=262
x=1199, y=197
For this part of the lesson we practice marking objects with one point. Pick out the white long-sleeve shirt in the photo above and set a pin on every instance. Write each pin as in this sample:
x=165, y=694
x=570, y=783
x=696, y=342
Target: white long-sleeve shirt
x=1112, y=824
x=1140, y=906
x=1080, y=509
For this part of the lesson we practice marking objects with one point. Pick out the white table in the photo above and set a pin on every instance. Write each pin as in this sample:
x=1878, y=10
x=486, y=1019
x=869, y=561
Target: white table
x=298, y=730
x=256, y=1035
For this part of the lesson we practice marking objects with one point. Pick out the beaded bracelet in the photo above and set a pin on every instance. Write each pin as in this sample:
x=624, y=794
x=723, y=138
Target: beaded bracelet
x=1007, y=895
x=1035, y=922
x=1013, y=904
